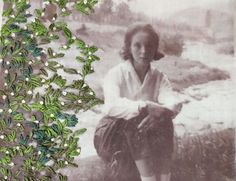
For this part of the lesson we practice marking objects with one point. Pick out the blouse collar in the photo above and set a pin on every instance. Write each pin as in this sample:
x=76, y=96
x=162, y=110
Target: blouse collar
x=133, y=73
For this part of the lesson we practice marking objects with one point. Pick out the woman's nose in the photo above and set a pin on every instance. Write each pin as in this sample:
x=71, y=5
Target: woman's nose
x=143, y=50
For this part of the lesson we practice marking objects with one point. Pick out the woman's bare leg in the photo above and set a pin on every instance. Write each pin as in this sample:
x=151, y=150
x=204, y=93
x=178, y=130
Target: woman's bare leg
x=166, y=170
x=145, y=168
x=165, y=177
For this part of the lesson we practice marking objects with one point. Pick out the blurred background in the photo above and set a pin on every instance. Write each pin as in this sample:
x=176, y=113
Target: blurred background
x=197, y=38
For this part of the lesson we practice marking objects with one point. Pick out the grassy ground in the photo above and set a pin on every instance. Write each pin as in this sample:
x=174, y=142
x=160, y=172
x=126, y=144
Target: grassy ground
x=209, y=157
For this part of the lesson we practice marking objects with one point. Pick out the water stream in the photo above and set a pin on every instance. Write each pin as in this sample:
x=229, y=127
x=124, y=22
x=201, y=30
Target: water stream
x=212, y=105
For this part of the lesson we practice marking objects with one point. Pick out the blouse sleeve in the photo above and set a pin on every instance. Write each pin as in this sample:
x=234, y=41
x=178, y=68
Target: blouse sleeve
x=115, y=105
x=167, y=97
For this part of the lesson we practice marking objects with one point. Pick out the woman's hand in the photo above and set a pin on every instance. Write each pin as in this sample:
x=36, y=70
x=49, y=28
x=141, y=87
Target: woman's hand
x=178, y=107
x=156, y=110
x=147, y=122
x=150, y=122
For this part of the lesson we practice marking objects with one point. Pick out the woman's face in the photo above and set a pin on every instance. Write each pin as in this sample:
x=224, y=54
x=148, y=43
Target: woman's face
x=142, y=48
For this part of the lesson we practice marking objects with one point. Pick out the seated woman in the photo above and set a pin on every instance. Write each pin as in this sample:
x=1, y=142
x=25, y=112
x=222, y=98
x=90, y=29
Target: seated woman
x=135, y=138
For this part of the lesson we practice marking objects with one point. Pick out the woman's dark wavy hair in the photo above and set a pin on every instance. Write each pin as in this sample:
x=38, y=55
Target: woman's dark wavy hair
x=147, y=28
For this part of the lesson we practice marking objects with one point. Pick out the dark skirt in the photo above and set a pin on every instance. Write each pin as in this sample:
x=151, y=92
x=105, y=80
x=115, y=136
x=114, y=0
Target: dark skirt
x=119, y=143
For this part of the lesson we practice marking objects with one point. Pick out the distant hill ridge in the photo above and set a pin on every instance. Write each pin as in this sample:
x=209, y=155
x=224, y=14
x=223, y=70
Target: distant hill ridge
x=200, y=17
x=219, y=23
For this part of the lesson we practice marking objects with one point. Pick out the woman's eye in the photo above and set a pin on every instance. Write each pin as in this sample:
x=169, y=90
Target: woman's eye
x=137, y=45
x=149, y=45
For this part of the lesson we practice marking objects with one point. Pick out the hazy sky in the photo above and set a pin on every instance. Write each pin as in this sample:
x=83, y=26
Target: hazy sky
x=165, y=7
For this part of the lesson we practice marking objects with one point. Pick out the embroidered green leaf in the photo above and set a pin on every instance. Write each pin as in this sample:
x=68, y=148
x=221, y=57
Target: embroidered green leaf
x=70, y=70
x=80, y=132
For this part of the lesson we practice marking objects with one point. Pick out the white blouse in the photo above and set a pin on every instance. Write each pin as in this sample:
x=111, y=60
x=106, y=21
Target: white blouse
x=124, y=93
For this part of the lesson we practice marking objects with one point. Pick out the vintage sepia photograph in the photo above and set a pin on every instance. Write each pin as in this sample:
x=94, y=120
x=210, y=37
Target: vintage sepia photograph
x=167, y=81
